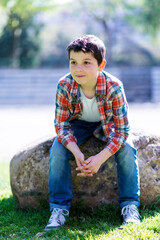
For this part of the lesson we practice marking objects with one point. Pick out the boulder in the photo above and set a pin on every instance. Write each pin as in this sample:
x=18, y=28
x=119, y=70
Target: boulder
x=29, y=174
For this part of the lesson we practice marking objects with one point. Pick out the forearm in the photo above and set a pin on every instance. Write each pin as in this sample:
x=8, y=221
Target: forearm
x=73, y=148
x=93, y=163
x=104, y=155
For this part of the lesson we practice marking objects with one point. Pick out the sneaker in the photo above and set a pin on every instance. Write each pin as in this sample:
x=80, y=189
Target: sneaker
x=130, y=214
x=57, y=219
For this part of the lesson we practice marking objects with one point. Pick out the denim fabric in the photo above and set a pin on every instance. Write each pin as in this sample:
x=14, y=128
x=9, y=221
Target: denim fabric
x=60, y=177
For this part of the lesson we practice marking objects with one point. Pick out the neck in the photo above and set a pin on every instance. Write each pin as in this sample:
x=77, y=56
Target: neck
x=90, y=86
x=89, y=92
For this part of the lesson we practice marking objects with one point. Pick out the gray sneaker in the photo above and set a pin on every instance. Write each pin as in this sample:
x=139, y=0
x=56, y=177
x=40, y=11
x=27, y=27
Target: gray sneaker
x=57, y=219
x=130, y=214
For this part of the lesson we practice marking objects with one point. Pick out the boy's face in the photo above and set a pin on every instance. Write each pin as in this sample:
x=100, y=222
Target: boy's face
x=84, y=68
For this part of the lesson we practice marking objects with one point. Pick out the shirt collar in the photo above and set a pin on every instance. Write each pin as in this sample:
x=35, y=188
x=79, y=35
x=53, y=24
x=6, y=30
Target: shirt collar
x=74, y=88
x=100, y=87
x=101, y=84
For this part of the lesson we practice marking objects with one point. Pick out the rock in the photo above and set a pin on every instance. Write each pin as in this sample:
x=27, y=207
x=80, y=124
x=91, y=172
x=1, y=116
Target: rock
x=29, y=174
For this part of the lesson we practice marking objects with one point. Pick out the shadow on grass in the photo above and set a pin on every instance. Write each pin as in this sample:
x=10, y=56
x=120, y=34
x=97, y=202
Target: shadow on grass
x=84, y=223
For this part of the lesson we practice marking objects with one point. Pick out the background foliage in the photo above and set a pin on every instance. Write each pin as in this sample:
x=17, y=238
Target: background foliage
x=36, y=33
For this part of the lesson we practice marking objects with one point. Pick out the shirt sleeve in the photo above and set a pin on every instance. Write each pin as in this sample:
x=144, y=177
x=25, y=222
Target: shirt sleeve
x=62, y=116
x=120, y=117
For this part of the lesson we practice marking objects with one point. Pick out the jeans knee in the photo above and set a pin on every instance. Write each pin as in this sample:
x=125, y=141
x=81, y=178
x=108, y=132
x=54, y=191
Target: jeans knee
x=126, y=152
x=58, y=153
x=126, y=158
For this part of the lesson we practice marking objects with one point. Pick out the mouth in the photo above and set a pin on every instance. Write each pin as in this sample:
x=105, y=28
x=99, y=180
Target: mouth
x=80, y=76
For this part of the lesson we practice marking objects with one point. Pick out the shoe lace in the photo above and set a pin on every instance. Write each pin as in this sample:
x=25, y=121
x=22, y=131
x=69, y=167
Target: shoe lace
x=56, y=214
x=130, y=210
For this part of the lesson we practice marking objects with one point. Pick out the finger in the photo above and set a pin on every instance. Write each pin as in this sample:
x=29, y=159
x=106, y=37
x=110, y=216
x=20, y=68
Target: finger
x=87, y=168
x=89, y=174
x=80, y=164
x=89, y=165
x=80, y=168
x=87, y=171
x=82, y=174
x=88, y=160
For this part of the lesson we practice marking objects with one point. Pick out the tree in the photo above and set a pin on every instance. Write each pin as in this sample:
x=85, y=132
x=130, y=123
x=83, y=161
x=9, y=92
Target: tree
x=110, y=14
x=149, y=16
x=19, y=44
x=19, y=40
x=115, y=16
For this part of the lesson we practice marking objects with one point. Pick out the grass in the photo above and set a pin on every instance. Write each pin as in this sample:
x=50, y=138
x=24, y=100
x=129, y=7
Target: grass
x=101, y=223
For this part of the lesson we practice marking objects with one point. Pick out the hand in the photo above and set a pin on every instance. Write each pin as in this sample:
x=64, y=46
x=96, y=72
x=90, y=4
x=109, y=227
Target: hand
x=79, y=156
x=81, y=165
x=92, y=165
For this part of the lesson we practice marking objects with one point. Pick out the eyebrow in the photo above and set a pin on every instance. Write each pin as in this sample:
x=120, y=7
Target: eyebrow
x=83, y=59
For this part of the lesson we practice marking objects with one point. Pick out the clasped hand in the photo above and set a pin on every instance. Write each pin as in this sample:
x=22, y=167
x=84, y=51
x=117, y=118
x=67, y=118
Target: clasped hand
x=88, y=167
x=92, y=164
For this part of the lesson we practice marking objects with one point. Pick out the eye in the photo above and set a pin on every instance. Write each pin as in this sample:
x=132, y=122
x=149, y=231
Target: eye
x=73, y=62
x=86, y=63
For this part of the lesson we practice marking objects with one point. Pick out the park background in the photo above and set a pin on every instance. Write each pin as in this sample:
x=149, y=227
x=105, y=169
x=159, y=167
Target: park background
x=33, y=39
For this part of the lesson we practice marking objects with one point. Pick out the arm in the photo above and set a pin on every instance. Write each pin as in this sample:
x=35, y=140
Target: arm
x=62, y=116
x=79, y=156
x=93, y=163
x=120, y=119
x=63, y=128
x=119, y=108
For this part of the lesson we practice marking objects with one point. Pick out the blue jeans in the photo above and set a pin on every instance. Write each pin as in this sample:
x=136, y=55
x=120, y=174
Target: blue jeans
x=60, y=177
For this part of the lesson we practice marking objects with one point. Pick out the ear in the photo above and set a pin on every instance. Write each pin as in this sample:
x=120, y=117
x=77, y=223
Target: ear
x=102, y=65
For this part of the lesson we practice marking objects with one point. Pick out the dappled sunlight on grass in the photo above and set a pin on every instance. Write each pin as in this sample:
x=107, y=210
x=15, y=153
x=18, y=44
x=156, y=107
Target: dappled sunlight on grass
x=100, y=223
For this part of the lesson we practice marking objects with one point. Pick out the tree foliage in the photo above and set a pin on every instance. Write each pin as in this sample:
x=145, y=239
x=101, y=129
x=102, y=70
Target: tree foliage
x=115, y=16
x=19, y=43
x=111, y=14
x=150, y=16
x=143, y=12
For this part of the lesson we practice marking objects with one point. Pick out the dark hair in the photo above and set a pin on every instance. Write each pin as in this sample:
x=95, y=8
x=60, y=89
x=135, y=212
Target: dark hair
x=88, y=43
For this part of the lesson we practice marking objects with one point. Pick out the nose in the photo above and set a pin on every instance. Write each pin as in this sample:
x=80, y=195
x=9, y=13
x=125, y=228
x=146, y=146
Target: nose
x=79, y=67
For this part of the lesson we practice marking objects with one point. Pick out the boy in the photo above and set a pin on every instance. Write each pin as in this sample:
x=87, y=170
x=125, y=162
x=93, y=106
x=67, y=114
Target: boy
x=90, y=101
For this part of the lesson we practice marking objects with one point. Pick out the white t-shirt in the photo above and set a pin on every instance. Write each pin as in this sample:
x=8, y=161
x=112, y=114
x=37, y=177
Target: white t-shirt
x=90, y=109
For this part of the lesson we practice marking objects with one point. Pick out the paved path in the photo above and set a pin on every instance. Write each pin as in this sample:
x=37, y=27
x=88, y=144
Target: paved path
x=23, y=126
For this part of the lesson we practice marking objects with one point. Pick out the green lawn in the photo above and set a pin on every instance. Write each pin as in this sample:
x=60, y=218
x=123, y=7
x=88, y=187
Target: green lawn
x=101, y=223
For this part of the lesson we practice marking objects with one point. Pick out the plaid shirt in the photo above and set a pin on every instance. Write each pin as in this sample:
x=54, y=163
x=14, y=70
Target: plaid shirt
x=112, y=106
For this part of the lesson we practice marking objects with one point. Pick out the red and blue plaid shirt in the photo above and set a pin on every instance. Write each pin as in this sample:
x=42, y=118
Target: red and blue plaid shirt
x=112, y=106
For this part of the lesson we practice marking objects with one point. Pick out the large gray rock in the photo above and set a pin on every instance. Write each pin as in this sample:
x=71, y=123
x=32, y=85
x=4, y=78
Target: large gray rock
x=29, y=174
